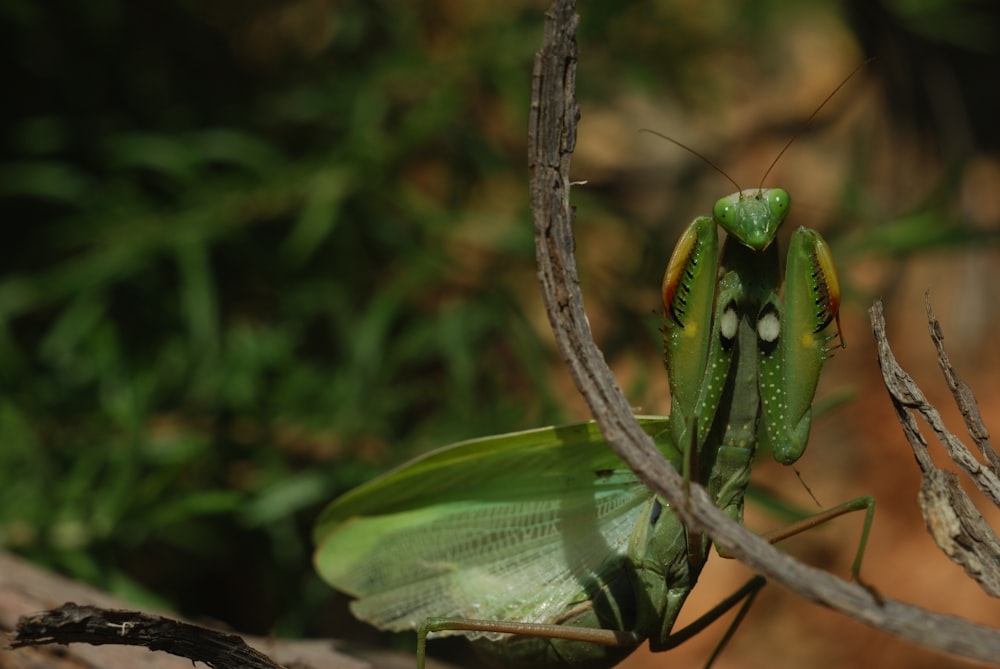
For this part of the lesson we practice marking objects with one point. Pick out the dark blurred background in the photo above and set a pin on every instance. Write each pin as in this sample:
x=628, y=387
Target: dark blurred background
x=256, y=252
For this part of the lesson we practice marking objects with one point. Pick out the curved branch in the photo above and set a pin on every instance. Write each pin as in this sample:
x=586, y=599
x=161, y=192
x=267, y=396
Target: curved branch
x=552, y=134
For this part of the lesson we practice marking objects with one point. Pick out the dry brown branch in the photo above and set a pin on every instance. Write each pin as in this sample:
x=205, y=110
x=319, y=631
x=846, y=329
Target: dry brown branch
x=552, y=134
x=952, y=519
x=26, y=589
x=72, y=623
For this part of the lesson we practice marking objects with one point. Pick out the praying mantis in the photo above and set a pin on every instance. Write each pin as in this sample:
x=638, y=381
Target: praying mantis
x=541, y=546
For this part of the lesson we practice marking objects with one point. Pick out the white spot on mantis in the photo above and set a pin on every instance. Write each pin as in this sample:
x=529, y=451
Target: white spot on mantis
x=768, y=327
x=728, y=323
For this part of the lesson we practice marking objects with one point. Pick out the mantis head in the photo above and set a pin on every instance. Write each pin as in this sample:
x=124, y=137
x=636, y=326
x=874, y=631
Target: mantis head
x=753, y=216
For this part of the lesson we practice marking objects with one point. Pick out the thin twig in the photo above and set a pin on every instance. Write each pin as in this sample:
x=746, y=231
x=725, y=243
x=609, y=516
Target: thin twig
x=965, y=400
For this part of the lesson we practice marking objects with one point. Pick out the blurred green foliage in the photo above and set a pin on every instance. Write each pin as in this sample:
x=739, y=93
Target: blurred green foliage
x=256, y=252
x=239, y=278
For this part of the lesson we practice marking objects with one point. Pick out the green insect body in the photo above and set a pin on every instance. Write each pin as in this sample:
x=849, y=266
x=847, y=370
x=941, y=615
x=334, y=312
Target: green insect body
x=542, y=547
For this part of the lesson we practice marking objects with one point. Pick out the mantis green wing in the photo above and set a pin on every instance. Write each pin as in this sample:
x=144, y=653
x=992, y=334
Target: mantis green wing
x=515, y=527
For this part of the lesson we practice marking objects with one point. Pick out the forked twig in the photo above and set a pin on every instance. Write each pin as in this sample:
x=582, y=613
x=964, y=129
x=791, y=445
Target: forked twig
x=952, y=519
